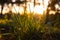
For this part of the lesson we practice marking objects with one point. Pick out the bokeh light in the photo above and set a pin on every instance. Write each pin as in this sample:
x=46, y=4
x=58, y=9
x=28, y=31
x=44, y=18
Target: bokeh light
x=52, y=12
x=6, y=9
x=56, y=6
x=39, y=7
x=13, y=0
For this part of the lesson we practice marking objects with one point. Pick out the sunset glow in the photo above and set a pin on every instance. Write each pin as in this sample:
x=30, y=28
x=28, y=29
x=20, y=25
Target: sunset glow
x=39, y=8
x=30, y=7
x=21, y=10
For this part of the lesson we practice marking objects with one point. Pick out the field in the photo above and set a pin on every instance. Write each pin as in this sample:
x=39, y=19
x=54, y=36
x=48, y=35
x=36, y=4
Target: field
x=29, y=27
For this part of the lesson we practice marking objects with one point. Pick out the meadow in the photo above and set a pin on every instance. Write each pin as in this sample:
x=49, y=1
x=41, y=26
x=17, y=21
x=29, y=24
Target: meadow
x=29, y=27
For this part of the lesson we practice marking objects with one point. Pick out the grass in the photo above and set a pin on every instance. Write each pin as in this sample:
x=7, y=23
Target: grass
x=31, y=27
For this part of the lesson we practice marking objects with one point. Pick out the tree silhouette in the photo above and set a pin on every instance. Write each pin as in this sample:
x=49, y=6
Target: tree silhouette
x=52, y=5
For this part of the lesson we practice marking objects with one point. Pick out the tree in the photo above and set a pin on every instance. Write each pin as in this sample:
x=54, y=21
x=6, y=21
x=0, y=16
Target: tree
x=52, y=5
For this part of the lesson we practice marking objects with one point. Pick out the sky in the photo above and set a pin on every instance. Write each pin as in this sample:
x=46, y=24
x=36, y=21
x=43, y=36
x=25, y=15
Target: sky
x=39, y=8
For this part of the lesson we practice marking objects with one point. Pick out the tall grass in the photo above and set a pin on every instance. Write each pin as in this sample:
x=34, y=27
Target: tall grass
x=28, y=27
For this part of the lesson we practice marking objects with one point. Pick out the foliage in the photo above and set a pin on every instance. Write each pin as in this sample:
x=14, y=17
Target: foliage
x=28, y=27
